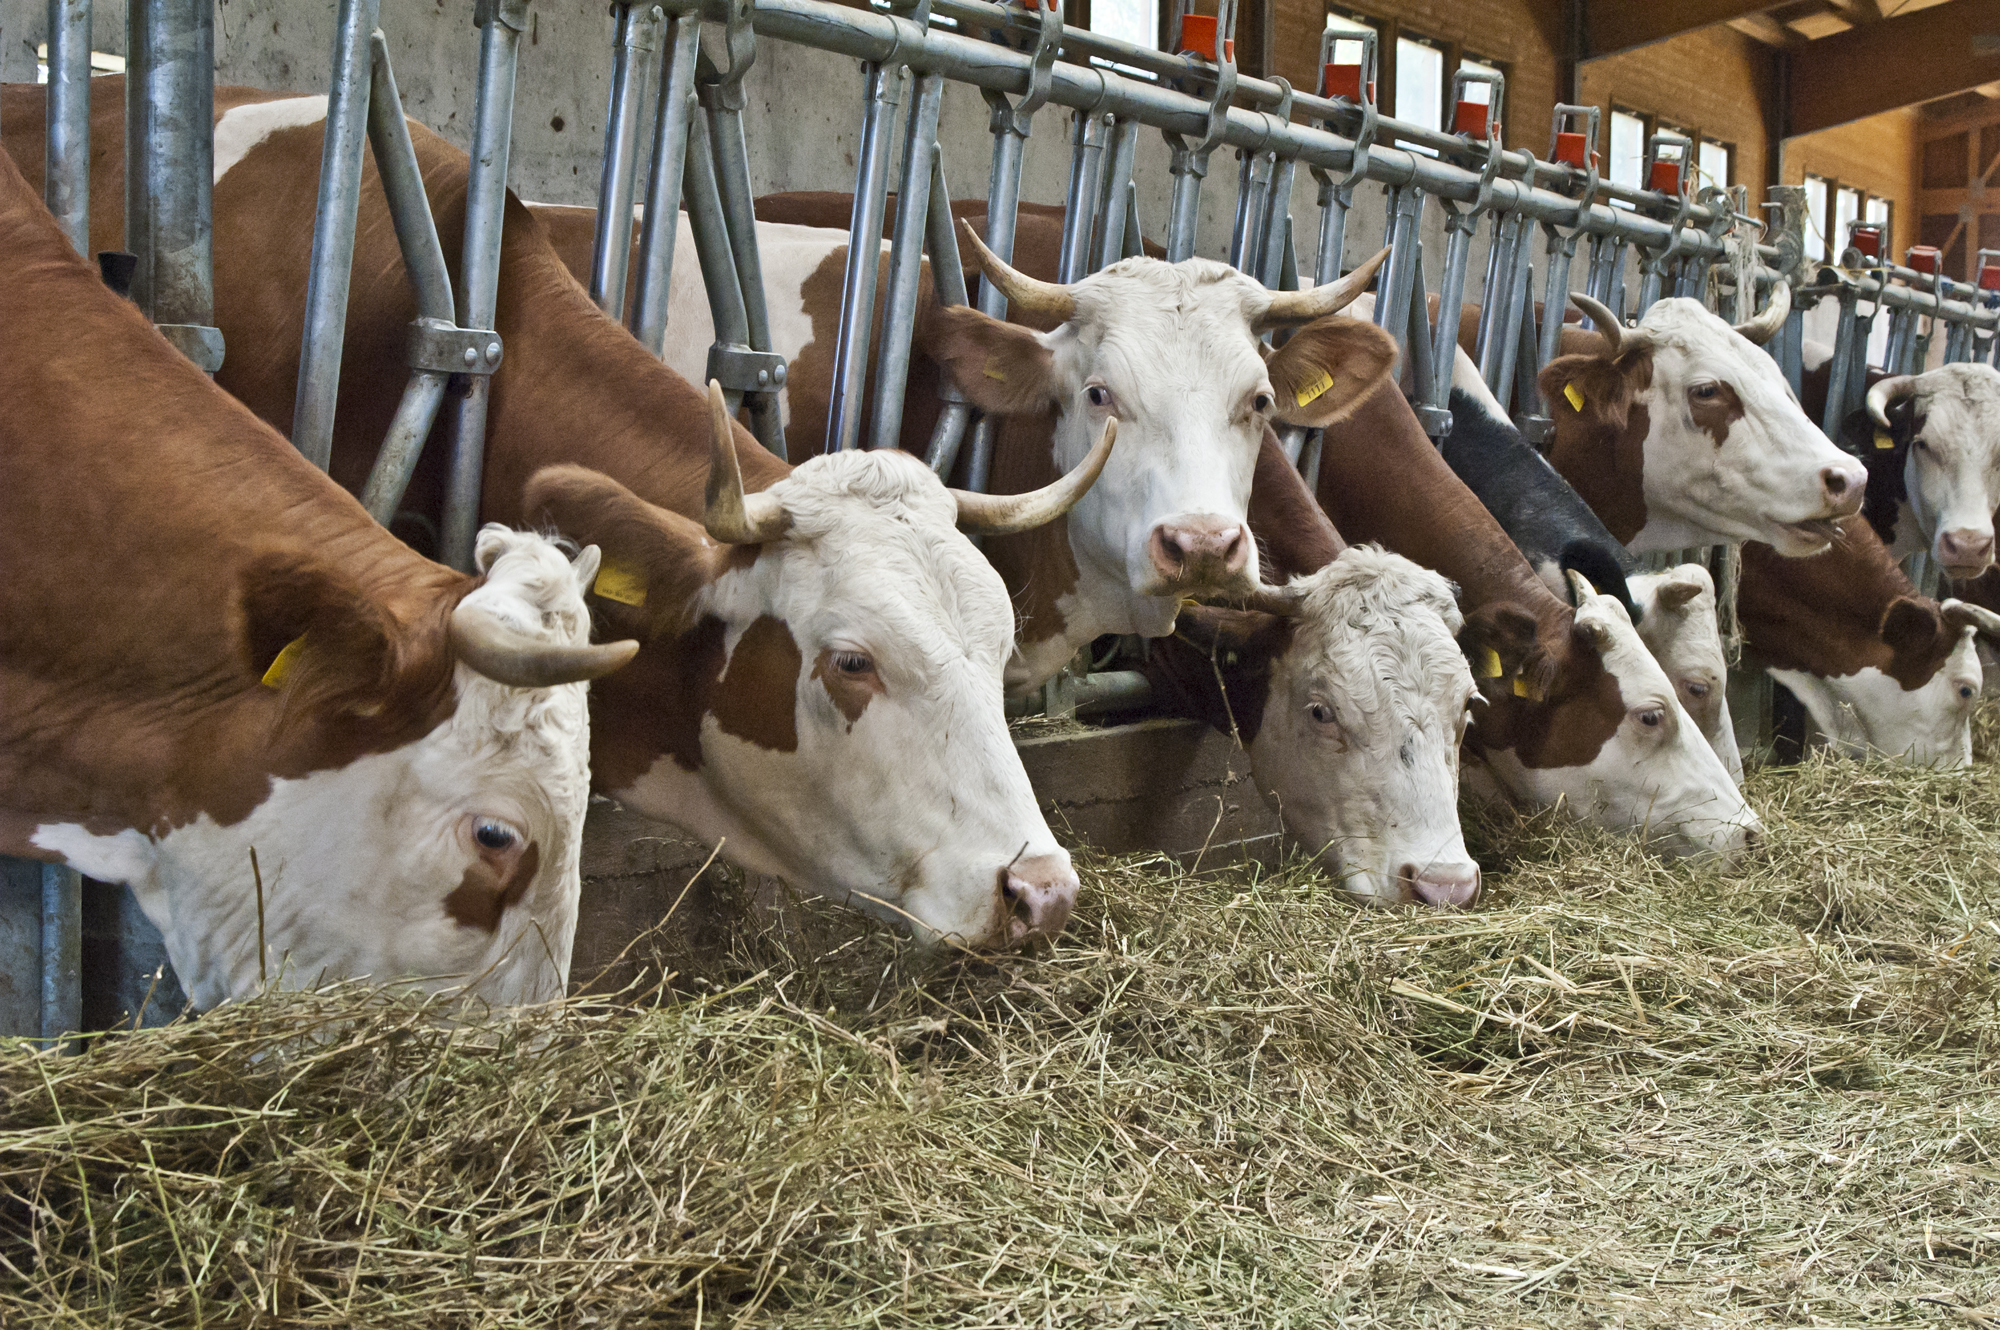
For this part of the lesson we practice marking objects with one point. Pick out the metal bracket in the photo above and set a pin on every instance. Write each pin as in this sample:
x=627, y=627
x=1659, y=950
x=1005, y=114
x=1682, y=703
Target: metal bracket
x=509, y=13
x=739, y=369
x=199, y=343
x=722, y=88
x=445, y=349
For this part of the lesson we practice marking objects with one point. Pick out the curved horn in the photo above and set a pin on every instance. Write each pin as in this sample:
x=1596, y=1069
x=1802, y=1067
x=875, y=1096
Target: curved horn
x=489, y=645
x=1608, y=326
x=1004, y=514
x=1288, y=307
x=1891, y=389
x=1286, y=602
x=1580, y=589
x=1776, y=310
x=730, y=516
x=1985, y=621
x=1030, y=295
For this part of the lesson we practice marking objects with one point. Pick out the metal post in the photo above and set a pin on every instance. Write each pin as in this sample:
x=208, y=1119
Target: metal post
x=501, y=23
x=633, y=41
x=948, y=280
x=1838, y=372
x=62, y=952
x=1115, y=208
x=1514, y=313
x=710, y=230
x=1278, y=224
x=66, y=142
x=857, y=292
x=1393, y=295
x=899, y=308
x=169, y=171
x=1009, y=126
x=1086, y=161
x=346, y=135
x=657, y=234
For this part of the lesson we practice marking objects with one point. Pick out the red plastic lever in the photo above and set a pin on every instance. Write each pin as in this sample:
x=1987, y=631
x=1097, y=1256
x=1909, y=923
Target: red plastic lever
x=1989, y=277
x=1666, y=178
x=1198, y=35
x=1572, y=149
x=1868, y=239
x=1925, y=259
x=1470, y=118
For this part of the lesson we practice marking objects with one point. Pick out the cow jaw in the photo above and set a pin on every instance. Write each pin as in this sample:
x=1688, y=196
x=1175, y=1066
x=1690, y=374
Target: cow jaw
x=1869, y=714
x=1730, y=455
x=1357, y=748
x=855, y=742
x=1952, y=471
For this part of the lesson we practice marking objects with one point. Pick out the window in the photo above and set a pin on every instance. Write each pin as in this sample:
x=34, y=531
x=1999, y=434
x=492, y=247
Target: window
x=1346, y=52
x=1713, y=159
x=1420, y=83
x=1628, y=150
x=1816, y=218
x=1479, y=92
x=1134, y=21
x=101, y=62
x=1877, y=210
x=1846, y=208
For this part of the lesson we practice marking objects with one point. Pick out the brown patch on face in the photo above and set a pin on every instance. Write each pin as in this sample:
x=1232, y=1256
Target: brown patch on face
x=1581, y=708
x=1600, y=446
x=757, y=698
x=851, y=693
x=1717, y=412
x=482, y=896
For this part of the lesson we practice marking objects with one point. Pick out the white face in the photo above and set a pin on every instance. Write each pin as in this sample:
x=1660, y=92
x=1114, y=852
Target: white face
x=1869, y=714
x=1656, y=775
x=1771, y=475
x=1678, y=625
x=449, y=861
x=874, y=763
x=1952, y=474
x=1358, y=749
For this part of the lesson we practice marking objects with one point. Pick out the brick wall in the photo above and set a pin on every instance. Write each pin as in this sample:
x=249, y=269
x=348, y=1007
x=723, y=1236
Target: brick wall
x=1715, y=83
x=1879, y=155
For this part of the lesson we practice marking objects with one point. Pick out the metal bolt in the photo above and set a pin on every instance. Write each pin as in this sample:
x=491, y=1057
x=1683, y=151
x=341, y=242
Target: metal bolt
x=471, y=356
x=493, y=350
x=658, y=13
x=778, y=375
x=763, y=378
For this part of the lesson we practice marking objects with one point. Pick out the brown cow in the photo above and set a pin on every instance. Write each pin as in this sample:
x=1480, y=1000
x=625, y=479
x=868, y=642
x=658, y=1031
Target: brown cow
x=227, y=688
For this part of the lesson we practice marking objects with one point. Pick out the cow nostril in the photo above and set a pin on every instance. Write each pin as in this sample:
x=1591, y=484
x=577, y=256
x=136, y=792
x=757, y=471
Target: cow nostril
x=1835, y=480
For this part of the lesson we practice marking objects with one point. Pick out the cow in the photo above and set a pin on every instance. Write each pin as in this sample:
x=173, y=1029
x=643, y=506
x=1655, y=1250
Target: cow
x=1680, y=432
x=1932, y=449
x=1677, y=621
x=816, y=689
x=310, y=752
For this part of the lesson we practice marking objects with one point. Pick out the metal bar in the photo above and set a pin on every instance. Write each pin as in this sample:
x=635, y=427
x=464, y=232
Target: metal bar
x=672, y=110
x=66, y=141
x=710, y=230
x=723, y=104
x=333, y=233
x=857, y=292
x=1009, y=126
x=1459, y=229
x=1837, y=373
x=1278, y=223
x=169, y=172
x=948, y=281
x=1392, y=300
x=636, y=29
x=1187, y=167
x=1508, y=330
x=906, y=252
x=62, y=952
x=1086, y=164
x=1494, y=296
x=501, y=23
x=1115, y=209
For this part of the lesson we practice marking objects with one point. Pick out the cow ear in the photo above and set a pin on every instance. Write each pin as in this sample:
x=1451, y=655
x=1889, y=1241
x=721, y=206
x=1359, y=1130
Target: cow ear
x=1909, y=625
x=654, y=561
x=310, y=632
x=1327, y=368
x=1226, y=632
x=1596, y=390
x=1002, y=368
x=1499, y=640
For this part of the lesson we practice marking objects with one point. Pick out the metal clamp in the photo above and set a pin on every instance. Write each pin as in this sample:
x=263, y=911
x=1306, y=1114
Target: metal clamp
x=739, y=369
x=722, y=88
x=509, y=13
x=445, y=349
x=198, y=342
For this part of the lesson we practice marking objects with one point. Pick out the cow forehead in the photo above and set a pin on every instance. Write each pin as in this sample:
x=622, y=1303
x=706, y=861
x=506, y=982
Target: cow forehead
x=1960, y=404
x=1141, y=316
x=1688, y=339
x=1626, y=659
x=1375, y=622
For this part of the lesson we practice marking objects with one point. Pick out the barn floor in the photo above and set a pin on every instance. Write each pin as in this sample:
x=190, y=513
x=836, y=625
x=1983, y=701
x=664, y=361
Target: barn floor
x=1621, y=1093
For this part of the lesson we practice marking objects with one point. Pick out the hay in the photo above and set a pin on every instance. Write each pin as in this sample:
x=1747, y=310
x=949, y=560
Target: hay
x=1623, y=1092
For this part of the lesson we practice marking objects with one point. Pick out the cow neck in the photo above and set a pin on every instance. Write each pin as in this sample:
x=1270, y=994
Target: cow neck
x=1294, y=535
x=1823, y=614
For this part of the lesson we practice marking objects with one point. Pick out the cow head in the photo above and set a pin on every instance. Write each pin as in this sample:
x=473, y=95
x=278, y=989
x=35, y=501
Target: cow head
x=1678, y=625
x=1950, y=421
x=1356, y=734
x=1681, y=432
x=1173, y=351
x=424, y=815
x=819, y=688
x=1914, y=698
x=1595, y=723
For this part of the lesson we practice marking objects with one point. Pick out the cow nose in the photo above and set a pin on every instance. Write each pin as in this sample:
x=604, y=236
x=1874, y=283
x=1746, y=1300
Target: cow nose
x=1443, y=884
x=1967, y=550
x=1199, y=551
x=1036, y=897
x=1843, y=486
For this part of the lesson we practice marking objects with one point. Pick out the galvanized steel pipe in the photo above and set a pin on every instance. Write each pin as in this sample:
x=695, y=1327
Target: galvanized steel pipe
x=66, y=141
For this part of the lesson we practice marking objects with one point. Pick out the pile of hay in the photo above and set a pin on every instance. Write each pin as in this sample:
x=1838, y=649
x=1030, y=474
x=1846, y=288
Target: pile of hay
x=1620, y=1093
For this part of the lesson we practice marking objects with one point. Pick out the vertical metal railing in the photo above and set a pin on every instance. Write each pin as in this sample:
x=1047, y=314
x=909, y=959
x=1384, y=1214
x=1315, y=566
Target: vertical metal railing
x=636, y=32
x=66, y=142
x=169, y=172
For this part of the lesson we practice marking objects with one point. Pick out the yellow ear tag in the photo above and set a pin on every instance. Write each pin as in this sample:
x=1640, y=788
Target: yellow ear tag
x=1883, y=442
x=1489, y=665
x=1575, y=397
x=619, y=583
x=1314, y=386
x=282, y=663
x=993, y=373
x=1523, y=689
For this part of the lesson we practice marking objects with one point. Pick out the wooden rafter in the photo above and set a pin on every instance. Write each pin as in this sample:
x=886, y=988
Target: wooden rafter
x=1896, y=62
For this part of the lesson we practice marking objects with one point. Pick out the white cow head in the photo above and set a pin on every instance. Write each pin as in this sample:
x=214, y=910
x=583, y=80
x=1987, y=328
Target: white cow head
x=1678, y=625
x=447, y=860
x=1914, y=701
x=1681, y=432
x=1172, y=351
x=819, y=688
x=1613, y=743
x=1950, y=419
x=1358, y=720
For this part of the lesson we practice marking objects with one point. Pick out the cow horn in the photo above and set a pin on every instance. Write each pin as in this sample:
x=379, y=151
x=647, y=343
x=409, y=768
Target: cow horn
x=1985, y=621
x=492, y=647
x=1030, y=295
x=1285, y=602
x=1608, y=326
x=1886, y=391
x=1776, y=310
x=1289, y=307
x=1004, y=514
x=1580, y=588
x=730, y=516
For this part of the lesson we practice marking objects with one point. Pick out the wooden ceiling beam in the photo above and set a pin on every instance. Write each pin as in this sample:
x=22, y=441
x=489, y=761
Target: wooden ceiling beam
x=1766, y=29
x=1611, y=26
x=1898, y=62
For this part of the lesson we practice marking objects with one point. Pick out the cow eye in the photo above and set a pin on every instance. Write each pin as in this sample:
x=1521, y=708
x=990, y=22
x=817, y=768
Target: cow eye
x=1965, y=692
x=1262, y=404
x=1705, y=392
x=1920, y=445
x=853, y=664
x=1321, y=713
x=1652, y=718
x=493, y=835
x=1698, y=690
x=1098, y=394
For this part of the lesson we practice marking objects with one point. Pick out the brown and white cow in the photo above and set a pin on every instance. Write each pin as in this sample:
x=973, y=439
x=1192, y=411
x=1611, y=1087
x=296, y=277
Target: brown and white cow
x=224, y=686
x=1681, y=432
x=824, y=699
